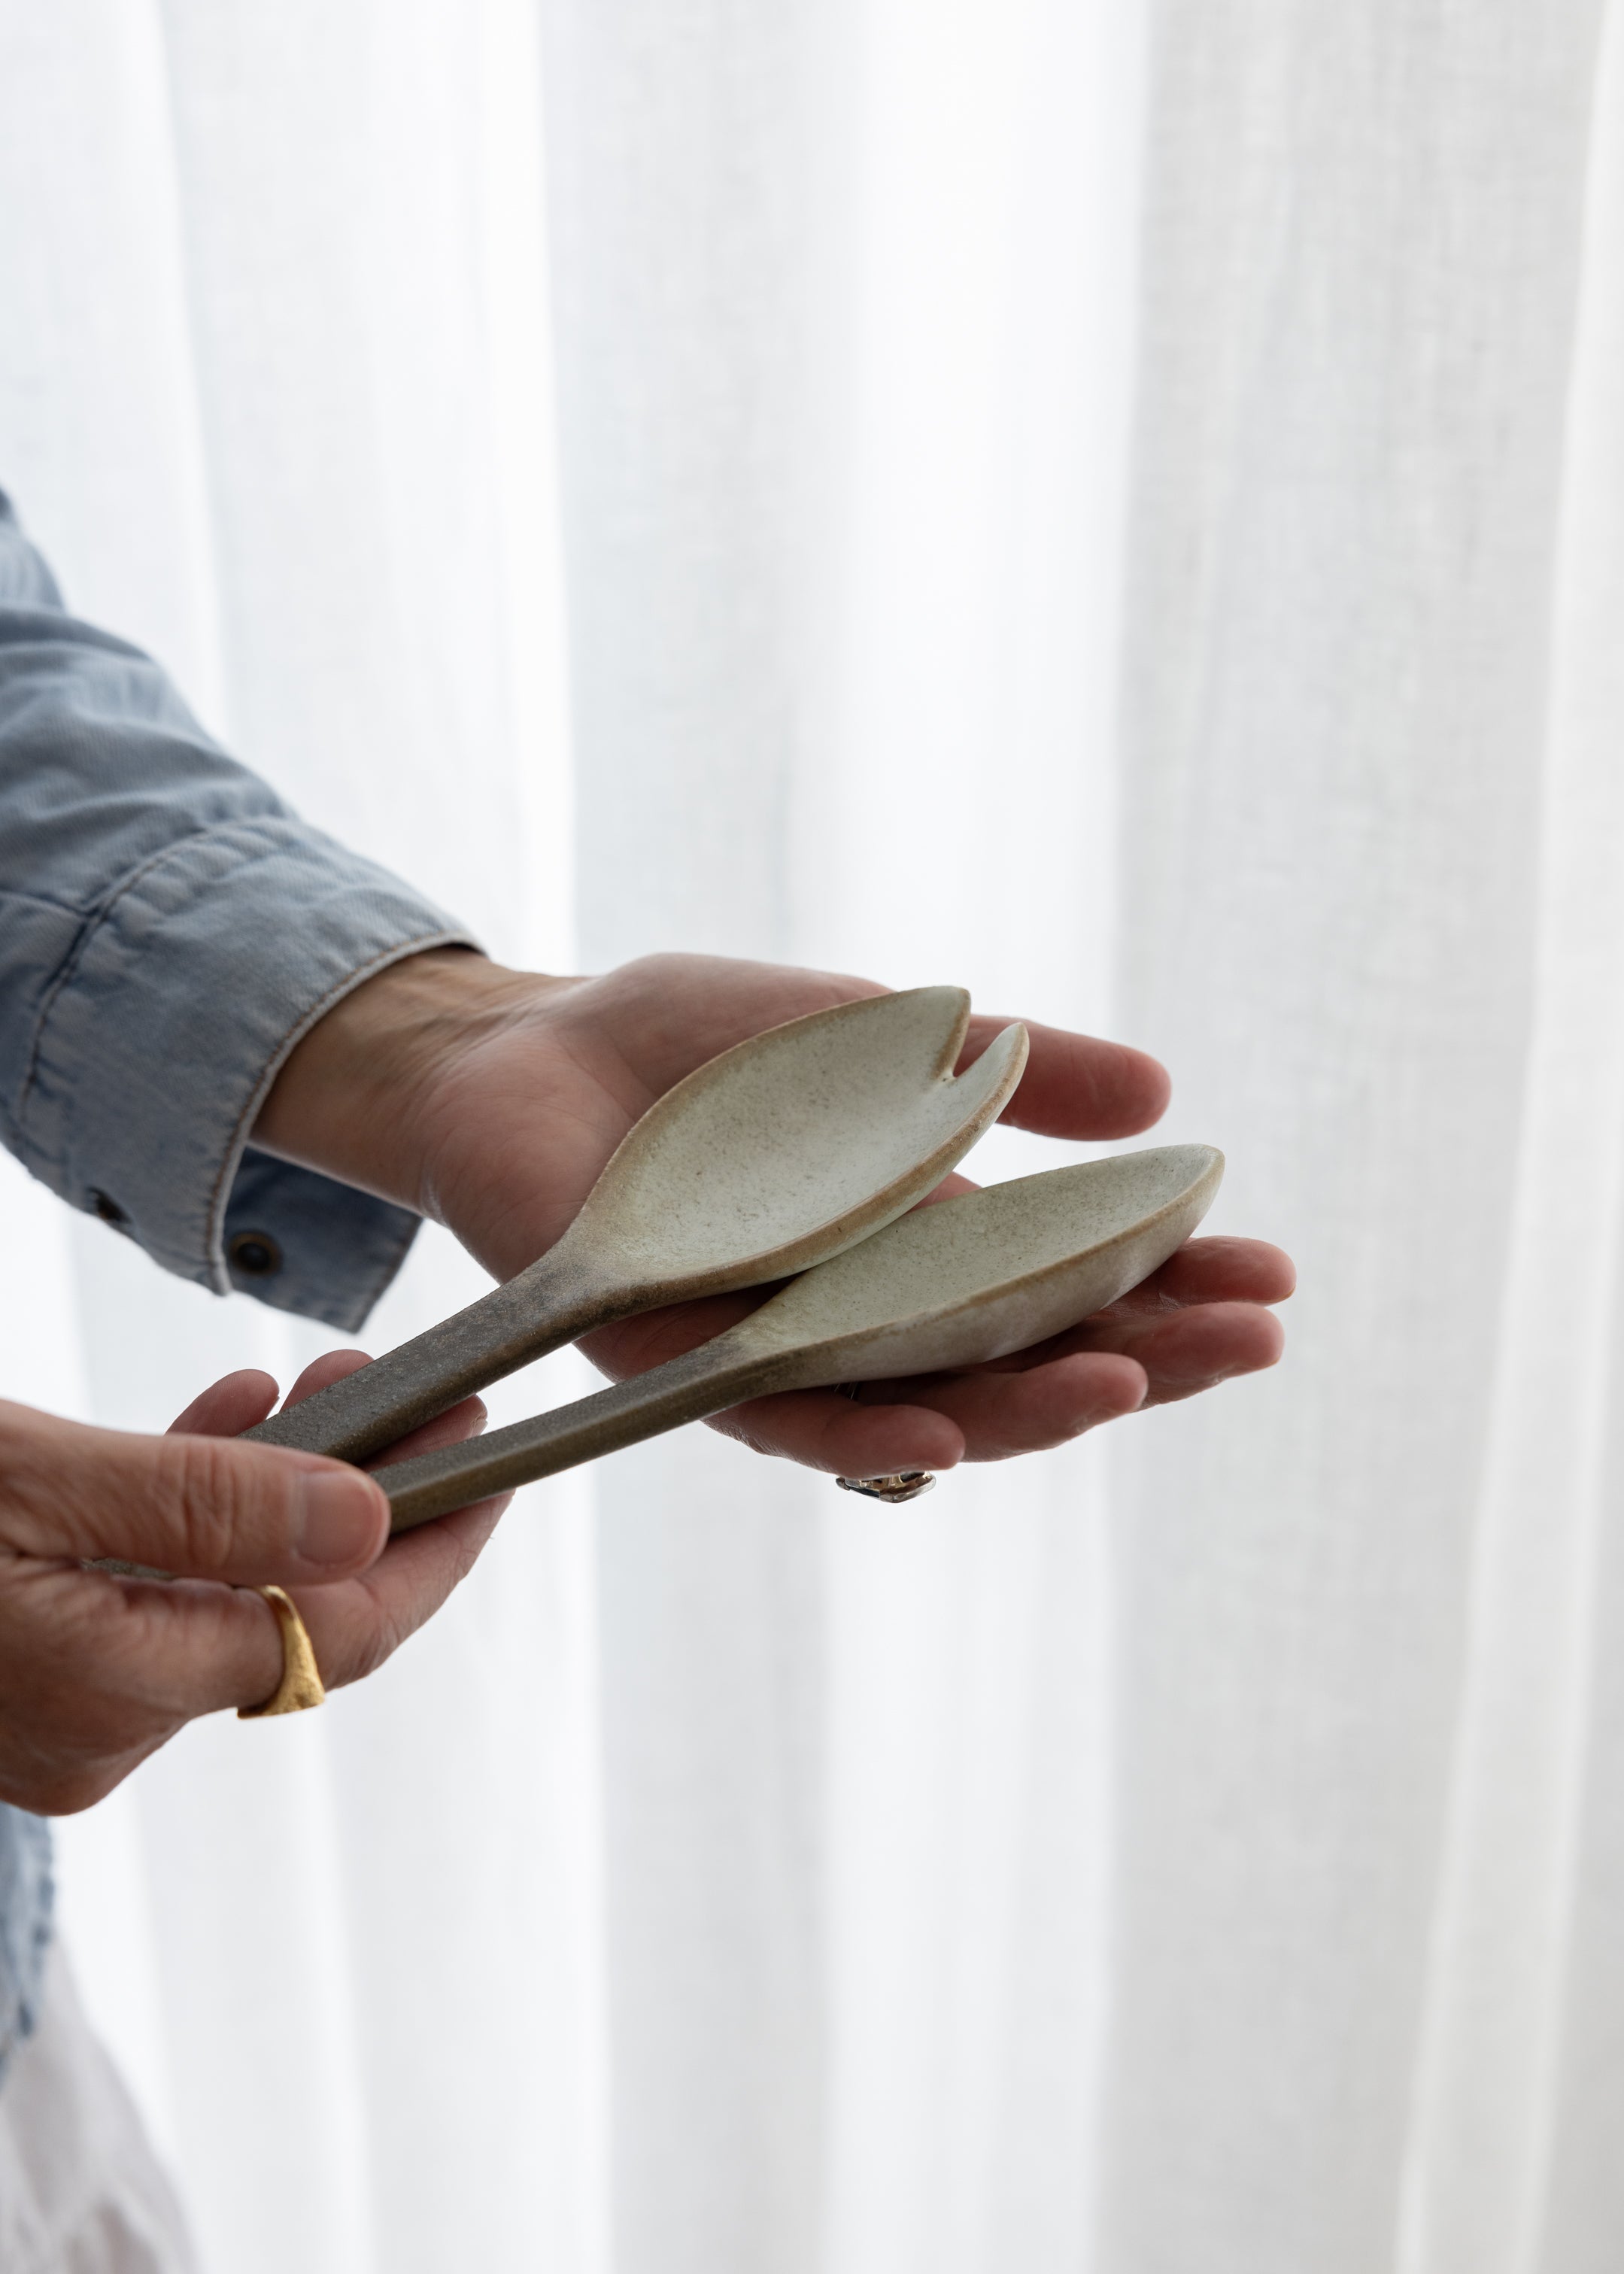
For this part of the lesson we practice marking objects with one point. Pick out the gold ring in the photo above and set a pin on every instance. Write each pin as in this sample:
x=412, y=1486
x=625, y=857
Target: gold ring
x=300, y=1686
x=907, y=1484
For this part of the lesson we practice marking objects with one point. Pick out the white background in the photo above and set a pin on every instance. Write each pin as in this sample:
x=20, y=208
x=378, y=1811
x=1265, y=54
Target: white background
x=1121, y=507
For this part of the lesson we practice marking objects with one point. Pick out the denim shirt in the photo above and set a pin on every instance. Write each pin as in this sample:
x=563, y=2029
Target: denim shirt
x=169, y=929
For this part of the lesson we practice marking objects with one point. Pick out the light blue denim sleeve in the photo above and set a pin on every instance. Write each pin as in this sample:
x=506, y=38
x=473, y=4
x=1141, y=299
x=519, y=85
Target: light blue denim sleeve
x=24, y=1924
x=169, y=929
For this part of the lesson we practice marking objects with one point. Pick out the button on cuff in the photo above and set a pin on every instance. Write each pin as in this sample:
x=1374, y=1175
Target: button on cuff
x=254, y=1255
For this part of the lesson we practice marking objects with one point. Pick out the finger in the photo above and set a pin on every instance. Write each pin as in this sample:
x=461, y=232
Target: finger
x=935, y=1423
x=1077, y=1086
x=331, y=1367
x=216, y=1507
x=235, y=1403
x=1216, y=1271
x=354, y=1628
x=1204, y=1274
x=821, y=1429
x=227, y=1407
x=1236, y=1338
x=174, y=1650
x=1002, y=1415
x=1187, y=1351
x=182, y=1648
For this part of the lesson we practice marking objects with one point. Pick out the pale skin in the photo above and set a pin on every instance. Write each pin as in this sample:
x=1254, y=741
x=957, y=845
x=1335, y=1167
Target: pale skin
x=490, y=1100
x=97, y=1671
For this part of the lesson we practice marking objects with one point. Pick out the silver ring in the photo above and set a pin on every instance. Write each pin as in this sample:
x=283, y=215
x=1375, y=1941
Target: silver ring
x=907, y=1484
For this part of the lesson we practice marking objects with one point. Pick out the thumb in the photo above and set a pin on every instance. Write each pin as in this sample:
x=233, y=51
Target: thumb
x=205, y=1508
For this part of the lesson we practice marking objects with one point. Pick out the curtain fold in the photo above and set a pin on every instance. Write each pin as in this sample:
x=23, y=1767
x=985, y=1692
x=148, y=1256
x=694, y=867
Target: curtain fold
x=1113, y=502
x=1376, y=883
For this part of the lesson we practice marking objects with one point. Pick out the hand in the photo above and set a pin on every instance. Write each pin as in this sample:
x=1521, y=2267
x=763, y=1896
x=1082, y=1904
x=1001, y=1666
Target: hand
x=97, y=1671
x=491, y=1100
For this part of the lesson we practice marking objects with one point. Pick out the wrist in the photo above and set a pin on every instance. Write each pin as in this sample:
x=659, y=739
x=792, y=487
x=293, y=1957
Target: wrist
x=352, y=1100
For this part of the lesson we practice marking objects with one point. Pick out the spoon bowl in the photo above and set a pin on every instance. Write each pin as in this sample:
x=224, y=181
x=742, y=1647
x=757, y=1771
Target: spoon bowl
x=993, y=1271
x=794, y=1145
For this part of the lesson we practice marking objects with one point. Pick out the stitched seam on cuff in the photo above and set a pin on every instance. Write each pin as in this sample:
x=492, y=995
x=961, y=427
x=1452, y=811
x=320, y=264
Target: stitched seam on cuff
x=96, y=920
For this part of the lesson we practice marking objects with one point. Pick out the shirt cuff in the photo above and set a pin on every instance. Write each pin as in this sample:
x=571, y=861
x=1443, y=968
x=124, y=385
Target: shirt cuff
x=176, y=1012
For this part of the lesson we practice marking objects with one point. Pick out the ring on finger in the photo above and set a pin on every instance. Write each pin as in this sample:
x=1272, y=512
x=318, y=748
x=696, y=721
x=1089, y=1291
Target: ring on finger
x=903, y=1485
x=907, y=1484
x=301, y=1685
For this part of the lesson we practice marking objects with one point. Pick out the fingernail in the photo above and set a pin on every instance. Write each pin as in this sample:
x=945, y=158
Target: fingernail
x=339, y=1519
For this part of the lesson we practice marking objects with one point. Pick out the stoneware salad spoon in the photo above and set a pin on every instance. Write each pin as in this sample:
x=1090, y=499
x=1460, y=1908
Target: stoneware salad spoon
x=950, y=1285
x=769, y=1159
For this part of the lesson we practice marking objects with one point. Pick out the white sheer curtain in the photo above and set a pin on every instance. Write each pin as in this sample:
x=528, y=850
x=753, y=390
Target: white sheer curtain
x=1123, y=509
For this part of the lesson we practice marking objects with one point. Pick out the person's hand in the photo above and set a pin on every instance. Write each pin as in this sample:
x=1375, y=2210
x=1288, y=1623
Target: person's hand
x=98, y=1670
x=491, y=1100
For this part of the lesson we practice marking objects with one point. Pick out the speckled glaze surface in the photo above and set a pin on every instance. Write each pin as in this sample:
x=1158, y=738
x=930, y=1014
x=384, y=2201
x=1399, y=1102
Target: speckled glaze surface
x=966, y=1280
x=992, y=1271
x=790, y=1148
x=772, y=1157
